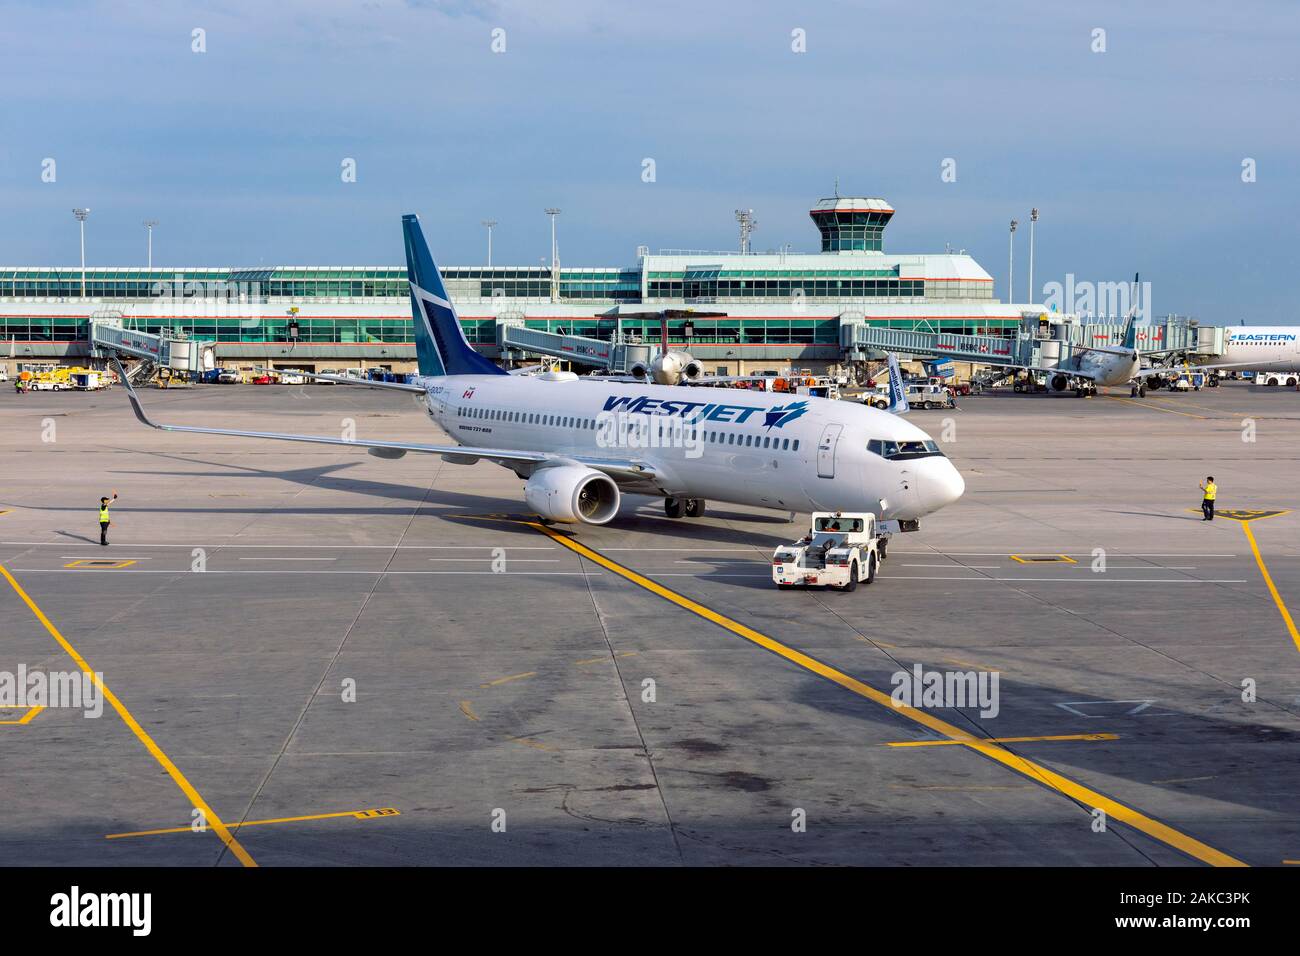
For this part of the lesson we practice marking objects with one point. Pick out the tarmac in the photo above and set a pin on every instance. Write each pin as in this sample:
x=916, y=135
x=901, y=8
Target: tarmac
x=340, y=660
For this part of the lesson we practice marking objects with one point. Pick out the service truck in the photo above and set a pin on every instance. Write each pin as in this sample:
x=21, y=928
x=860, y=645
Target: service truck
x=929, y=395
x=842, y=549
x=1277, y=378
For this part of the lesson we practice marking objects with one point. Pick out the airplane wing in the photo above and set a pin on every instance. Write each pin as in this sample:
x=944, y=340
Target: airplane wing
x=349, y=380
x=701, y=380
x=1171, y=370
x=628, y=470
x=1057, y=370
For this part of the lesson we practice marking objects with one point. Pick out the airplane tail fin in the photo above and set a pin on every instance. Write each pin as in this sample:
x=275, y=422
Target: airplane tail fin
x=440, y=344
x=1130, y=320
x=897, y=395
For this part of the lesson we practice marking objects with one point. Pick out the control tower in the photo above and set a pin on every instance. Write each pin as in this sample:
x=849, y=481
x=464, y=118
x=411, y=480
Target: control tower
x=850, y=224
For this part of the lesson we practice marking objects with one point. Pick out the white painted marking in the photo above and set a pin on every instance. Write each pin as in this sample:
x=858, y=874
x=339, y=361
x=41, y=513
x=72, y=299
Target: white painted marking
x=681, y=574
x=1095, y=579
x=310, y=546
x=1142, y=704
x=1121, y=554
x=754, y=563
x=267, y=571
x=1143, y=567
x=698, y=548
x=512, y=560
x=288, y=559
x=107, y=557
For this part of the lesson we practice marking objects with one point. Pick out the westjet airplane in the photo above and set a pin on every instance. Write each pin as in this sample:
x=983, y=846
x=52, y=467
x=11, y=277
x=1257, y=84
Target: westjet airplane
x=581, y=444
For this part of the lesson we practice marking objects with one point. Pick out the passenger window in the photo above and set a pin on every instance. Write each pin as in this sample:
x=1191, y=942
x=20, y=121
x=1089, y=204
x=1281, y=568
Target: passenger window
x=785, y=444
x=796, y=444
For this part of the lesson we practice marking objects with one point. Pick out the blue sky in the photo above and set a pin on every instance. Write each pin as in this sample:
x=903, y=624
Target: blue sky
x=1133, y=155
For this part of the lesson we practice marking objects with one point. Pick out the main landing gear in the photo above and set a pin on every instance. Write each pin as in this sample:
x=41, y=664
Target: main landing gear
x=1138, y=391
x=684, y=507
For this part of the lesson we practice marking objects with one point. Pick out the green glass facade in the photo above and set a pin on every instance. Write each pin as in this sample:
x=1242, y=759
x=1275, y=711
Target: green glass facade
x=782, y=284
x=618, y=285
x=723, y=330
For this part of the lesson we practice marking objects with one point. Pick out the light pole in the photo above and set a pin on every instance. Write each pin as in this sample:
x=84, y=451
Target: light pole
x=149, y=224
x=81, y=215
x=1033, y=218
x=1011, y=262
x=555, y=256
x=490, y=223
x=747, y=225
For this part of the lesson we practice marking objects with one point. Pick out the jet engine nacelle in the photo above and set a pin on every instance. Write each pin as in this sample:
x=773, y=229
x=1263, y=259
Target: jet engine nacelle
x=1060, y=382
x=572, y=493
x=671, y=368
x=640, y=371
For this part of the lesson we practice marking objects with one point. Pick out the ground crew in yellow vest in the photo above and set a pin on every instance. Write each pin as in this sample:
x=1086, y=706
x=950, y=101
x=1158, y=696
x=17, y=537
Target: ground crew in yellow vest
x=104, y=522
x=1211, y=491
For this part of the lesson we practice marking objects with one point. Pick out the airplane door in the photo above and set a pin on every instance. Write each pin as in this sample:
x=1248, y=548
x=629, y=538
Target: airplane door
x=826, y=451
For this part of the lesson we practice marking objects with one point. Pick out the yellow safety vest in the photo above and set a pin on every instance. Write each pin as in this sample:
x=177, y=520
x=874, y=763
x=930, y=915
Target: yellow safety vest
x=103, y=514
x=1210, y=491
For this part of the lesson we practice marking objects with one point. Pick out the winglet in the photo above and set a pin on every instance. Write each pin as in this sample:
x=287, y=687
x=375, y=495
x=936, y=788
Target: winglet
x=130, y=393
x=897, y=395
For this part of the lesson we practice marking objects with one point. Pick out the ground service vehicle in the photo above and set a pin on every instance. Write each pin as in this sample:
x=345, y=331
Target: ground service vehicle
x=929, y=395
x=1277, y=378
x=841, y=550
x=1030, y=382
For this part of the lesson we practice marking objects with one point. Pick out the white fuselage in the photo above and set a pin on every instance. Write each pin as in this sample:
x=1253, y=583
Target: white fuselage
x=1263, y=348
x=1110, y=366
x=772, y=450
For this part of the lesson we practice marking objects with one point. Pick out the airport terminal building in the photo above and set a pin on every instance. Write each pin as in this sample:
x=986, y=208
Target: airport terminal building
x=738, y=312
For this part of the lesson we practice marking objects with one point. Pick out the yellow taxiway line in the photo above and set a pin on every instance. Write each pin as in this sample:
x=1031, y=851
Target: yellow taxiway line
x=369, y=814
x=196, y=800
x=26, y=718
x=1001, y=740
x=1034, y=771
x=1272, y=588
x=1158, y=408
x=507, y=680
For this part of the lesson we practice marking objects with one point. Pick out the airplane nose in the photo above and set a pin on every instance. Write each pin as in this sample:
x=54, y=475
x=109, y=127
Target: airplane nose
x=939, y=483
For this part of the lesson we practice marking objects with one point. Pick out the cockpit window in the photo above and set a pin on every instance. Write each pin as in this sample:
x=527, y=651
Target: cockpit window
x=904, y=450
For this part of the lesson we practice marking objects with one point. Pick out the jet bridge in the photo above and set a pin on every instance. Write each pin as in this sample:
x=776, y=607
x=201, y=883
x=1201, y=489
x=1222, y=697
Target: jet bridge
x=1168, y=341
x=859, y=342
x=178, y=354
x=611, y=356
